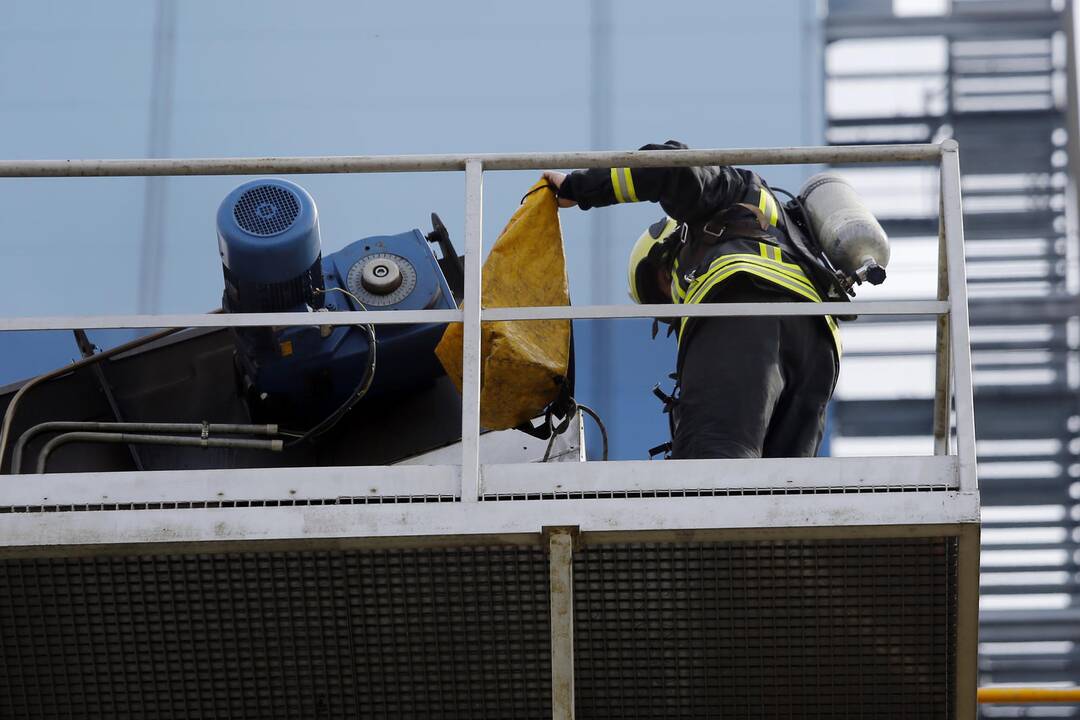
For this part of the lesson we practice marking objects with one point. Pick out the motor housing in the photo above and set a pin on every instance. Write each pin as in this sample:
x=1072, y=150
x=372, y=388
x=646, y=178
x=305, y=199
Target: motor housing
x=851, y=237
x=271, y=253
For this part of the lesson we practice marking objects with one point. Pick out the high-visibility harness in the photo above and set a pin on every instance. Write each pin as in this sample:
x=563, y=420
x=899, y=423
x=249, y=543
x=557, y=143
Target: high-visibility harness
x=768, y=264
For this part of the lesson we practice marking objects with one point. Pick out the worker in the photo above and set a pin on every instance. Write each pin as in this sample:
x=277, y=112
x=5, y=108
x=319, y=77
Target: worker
x=746, y=386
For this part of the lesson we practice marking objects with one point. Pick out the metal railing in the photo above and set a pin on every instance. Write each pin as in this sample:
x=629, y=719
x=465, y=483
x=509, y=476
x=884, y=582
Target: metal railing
x=953, y=373
x=694, y=499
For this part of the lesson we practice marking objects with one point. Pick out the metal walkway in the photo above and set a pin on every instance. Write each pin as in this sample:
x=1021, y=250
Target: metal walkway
x=801, y=586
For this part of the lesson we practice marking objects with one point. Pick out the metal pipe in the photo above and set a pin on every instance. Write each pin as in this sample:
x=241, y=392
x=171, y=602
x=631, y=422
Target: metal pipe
x=779, y=309
x=1028, y=696
x=208, y=428
x=471, y=488
x=403, y=317
x=144, y=167
x=93, y=437
x=9, y=413
x=278, y=319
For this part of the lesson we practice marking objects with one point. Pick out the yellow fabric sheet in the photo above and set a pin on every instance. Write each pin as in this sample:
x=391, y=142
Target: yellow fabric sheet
x=522, y=363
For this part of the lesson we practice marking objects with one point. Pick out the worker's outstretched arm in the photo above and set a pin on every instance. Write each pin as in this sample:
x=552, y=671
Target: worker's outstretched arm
x=687, y=194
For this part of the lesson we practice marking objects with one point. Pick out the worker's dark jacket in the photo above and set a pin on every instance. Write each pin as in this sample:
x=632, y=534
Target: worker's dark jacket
x=734, y=225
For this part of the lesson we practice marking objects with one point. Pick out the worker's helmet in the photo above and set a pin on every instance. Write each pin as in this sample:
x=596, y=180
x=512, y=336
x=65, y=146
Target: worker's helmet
x=649, y=256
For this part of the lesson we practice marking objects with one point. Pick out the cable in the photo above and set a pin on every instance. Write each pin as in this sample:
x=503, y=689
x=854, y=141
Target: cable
x=361, y=390
x=600, y=424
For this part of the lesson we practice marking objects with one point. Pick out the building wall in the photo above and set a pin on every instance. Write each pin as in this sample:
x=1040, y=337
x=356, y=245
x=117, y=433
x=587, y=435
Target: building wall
x=275, y=78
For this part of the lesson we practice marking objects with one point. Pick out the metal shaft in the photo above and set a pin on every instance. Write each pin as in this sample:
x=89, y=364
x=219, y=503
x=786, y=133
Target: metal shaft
x=93, y=437
x=139, y=427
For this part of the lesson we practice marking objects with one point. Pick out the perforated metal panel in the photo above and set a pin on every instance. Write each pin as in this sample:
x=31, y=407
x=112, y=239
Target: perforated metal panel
x=266, y=210
x=793, y=629
x=452, y=633
x=779, y=629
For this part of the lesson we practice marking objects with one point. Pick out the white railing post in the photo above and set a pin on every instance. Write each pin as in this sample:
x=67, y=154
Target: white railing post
x=942, y=380
x=958, y=316
x=470, y=367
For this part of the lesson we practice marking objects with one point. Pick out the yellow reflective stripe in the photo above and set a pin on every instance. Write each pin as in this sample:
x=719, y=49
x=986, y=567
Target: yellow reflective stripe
x=799, y=278
x=767, y=205
x=676, y=283
x=761, y=272
x=708, y=282
x=764, y=267
x=773, y=252
x=729, y=265
x=718, y=265
x=622, y=182
x=630, y=185
x=834, y=329
x=615, y=185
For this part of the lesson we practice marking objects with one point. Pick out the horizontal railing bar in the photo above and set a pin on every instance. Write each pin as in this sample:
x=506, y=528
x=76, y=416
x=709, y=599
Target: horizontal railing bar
x=143, y=167
x=403, y=317
x=582, y=312
x=276, y=319
x=837, y=515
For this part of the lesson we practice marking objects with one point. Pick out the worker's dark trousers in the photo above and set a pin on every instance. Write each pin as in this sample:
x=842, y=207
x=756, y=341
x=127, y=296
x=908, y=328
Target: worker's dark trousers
x=753, y=386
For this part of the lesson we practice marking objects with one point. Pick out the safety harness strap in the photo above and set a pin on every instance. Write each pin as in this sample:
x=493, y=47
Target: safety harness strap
x=768, y=265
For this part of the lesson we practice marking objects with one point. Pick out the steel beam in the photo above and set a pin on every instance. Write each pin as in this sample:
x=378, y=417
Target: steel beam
x=561, y=589
x=967, y=621
x=327, y=526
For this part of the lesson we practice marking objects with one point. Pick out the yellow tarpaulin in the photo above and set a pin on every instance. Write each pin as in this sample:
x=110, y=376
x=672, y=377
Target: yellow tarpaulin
x=523, y=364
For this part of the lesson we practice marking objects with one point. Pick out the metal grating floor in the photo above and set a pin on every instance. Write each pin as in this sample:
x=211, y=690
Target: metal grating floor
x=452, y=633
x=793, y=629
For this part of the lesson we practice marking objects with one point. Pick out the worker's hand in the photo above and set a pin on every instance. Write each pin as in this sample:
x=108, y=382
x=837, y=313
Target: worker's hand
x=556, y=179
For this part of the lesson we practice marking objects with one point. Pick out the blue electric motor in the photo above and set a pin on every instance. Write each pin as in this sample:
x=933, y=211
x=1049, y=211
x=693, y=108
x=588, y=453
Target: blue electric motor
x=268, y=235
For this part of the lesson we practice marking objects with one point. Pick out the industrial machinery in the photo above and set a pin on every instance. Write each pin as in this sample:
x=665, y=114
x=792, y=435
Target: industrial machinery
x=271, y=254
x=301, y=380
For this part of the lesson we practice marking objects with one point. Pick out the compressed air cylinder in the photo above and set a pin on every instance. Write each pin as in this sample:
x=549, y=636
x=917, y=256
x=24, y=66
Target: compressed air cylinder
x=850, y=235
